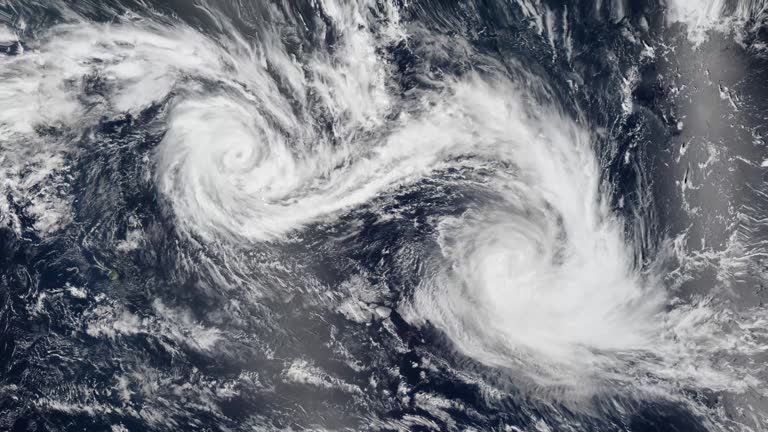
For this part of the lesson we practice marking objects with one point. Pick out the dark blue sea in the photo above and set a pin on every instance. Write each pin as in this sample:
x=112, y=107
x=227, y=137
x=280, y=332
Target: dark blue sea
x=384, y=215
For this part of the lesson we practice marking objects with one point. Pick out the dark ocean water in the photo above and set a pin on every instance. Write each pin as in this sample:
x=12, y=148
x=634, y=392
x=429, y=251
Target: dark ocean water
x=383, y=215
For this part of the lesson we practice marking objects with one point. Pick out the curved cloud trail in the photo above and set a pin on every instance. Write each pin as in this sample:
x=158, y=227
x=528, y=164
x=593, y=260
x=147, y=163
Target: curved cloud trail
x=541, y=282
x=546, y=272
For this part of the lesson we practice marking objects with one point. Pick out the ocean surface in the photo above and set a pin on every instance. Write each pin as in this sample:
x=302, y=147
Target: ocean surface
x=384, y=215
